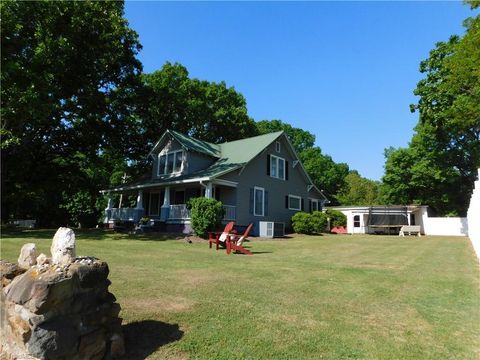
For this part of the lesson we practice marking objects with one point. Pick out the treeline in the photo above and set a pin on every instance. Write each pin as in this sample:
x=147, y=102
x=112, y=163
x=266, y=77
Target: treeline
x=77, y=113
x=439, y=166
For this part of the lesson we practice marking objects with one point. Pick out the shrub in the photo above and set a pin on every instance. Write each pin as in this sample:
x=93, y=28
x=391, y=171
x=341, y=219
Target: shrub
x=337, y=218
x=319, y=221
x=206, y=215
x=304, y=223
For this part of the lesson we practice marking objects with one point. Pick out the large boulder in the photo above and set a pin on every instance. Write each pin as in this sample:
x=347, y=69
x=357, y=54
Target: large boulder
x=63, y=246
x=8, y=271
x=28, y=256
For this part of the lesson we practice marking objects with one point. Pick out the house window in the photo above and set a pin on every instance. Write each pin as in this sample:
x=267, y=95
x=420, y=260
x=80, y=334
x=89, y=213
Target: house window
x=277, y=167
x=315, y=205
x=294, y=202
x=277, y=146
x=170, y=163
x=356, y=221
x=259, y=201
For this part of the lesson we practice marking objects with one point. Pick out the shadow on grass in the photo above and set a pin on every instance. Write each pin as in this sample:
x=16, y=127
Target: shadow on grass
x=142, y=338
x=89, y=234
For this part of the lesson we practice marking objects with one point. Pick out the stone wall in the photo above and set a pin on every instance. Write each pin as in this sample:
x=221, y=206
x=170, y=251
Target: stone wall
x=59, y=307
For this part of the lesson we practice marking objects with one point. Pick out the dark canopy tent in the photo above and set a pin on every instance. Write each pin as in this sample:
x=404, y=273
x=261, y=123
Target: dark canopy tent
x=387, y=217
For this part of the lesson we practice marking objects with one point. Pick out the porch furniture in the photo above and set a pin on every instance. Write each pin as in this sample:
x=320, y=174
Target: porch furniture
x=235, y=242
x=410, y=230
x=217, y=237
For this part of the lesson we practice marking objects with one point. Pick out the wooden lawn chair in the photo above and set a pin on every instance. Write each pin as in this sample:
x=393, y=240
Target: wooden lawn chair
x=235, y=242
x=220, y=237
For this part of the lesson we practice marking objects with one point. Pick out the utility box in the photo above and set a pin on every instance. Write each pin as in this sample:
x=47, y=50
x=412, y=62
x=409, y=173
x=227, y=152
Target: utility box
x=271, y=229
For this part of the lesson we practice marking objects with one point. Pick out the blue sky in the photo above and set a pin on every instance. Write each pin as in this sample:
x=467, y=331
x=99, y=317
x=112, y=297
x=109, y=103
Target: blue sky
x=345, y=71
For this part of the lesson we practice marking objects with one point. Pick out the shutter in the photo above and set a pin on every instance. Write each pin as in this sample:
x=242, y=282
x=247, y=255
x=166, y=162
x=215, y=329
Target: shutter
x=309, y=205
x=268, y=165
x=286, y=170
x=303, y=205
x=265, y=203
x=251, y=200
x=286, y=201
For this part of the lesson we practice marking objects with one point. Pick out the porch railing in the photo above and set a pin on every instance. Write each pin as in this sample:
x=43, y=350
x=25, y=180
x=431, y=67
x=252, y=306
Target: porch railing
x=125, y=214
x=176, y=212
x=179, y=212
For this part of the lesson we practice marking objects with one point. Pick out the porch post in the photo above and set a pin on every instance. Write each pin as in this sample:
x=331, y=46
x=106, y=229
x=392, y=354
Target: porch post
x=140, y=200
x=108, y=210
x=209, y=190
x=139, y=208
x=164, y=211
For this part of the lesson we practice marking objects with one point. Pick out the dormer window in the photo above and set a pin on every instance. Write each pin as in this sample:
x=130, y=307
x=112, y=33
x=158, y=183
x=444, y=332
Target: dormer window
x=277, y=146
x=170, y=162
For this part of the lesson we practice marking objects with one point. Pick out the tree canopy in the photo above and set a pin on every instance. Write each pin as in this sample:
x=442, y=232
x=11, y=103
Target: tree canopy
x=61, y=63
x=440, y=165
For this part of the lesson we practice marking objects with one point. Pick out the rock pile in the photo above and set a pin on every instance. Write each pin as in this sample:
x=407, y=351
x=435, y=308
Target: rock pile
x=58, y=308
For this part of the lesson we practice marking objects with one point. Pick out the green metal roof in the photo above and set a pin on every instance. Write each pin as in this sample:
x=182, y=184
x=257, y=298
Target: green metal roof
x=242, y=151
x=196, y=145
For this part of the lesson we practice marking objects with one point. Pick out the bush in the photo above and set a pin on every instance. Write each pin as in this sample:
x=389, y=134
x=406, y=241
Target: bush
x=319, y=221
x=304, y=223
x=206, y=215
x=337, y=218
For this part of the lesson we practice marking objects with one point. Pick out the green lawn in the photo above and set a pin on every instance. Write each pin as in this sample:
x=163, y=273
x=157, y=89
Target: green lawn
x=332, y=297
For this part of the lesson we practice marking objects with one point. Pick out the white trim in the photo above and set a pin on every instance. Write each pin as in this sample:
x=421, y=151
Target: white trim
x=225, y=182
x=316, y=201
x=295, y=163
x=255, y=188
x=278, y=147
x=299, y=202
x=277, y=162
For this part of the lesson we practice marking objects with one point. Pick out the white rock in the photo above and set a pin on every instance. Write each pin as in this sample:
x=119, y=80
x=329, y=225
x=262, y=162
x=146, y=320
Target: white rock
x=63, y=246
x=28, y=256
x=42, y=259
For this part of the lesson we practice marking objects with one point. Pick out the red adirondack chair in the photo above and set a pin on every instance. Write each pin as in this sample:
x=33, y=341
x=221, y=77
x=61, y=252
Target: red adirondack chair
x=235, y=242
x=220, y=237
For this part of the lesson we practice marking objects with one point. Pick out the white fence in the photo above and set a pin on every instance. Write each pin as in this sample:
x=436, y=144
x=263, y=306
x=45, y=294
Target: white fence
x=447, y=226
x=473, y=217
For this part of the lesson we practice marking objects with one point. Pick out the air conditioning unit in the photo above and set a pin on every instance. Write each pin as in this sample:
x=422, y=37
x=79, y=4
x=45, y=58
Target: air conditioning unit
x=271, y=229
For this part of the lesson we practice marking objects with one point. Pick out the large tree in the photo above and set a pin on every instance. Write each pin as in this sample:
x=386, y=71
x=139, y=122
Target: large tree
x=210, y=111
x=62, y=65
x=358, y=191
x=440, y=165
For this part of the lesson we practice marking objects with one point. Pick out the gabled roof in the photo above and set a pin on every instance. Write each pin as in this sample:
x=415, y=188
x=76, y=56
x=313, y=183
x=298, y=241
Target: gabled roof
x=190, y=143
x=240, y=152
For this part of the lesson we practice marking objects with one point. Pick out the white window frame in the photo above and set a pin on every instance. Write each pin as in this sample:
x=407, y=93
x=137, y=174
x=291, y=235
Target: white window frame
x=277, y=146
x=316, y=201
x=255, y=202
x=299, y=202
x=166, y=153
x=277, y=160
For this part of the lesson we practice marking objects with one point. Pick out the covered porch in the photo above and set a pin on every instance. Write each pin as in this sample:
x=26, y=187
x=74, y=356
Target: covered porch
x=166, y=203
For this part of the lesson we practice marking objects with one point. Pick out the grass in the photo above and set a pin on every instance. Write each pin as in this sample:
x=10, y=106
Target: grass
x=331, y=297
